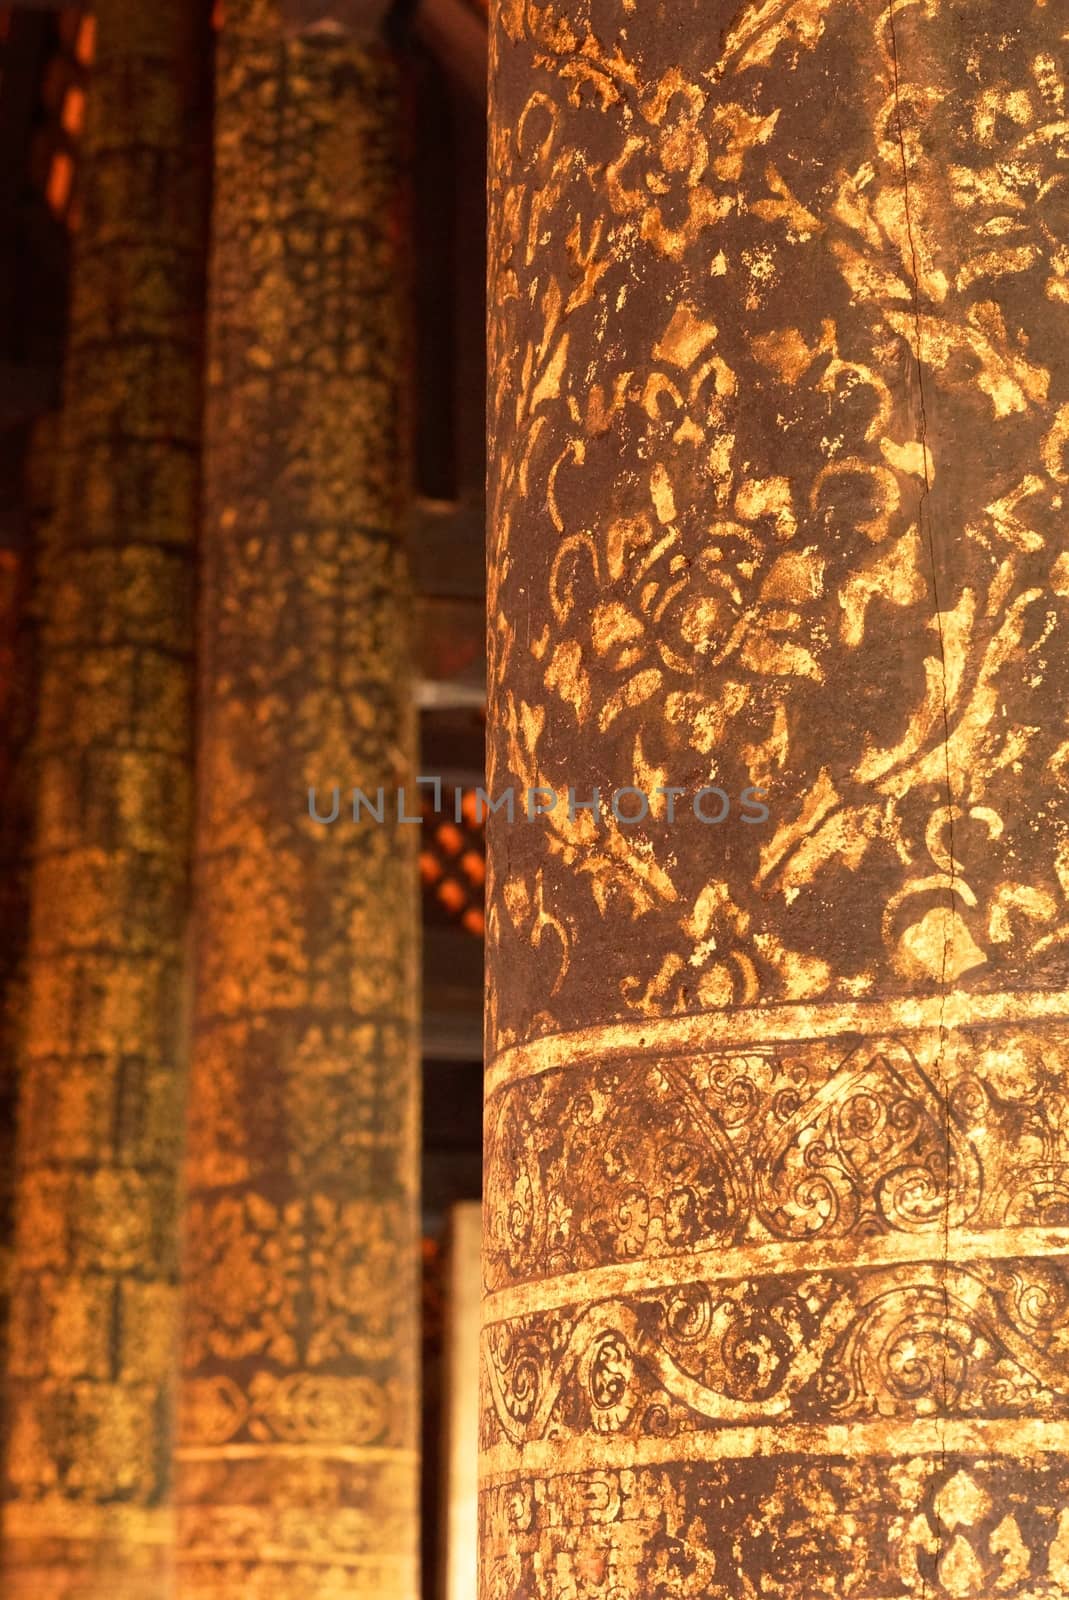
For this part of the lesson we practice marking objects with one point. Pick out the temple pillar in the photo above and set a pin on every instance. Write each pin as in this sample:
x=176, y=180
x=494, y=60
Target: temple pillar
x=18, y=704
x=87, y=1511
x=298, y=1470
x=13, y=902
x=777, y=1119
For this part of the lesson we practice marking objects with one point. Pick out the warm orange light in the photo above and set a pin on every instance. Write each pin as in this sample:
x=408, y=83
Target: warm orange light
x=474, y=921
x=429, y=869
x=451, y=894
x=450, y=838
x=472, y=809
x=73, y=117
x=60, y=178
x=86, y=43
x=474, y=866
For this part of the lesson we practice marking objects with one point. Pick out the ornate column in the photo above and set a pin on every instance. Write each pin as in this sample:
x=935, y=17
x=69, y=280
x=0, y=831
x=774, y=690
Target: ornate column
x=13, y=900
x=18, y=708
x=777, y=1127
x=298, y=1457
x=87, y=1509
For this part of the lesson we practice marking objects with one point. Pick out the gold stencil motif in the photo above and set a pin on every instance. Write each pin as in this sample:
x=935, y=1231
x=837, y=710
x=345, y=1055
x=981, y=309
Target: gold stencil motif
x=777, y=1187
x=297, y=1460
x=91, y=1370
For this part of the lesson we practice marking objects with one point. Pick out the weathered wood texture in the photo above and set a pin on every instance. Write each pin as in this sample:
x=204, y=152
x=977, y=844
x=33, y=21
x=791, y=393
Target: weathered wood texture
x=88, y=1510
x=298, y=1471
x=777, y=1127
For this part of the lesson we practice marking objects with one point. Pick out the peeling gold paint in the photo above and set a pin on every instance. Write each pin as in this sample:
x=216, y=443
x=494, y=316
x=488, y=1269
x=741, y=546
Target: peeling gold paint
x=88, y=1510
x=297, y=1468
x=776, y=1161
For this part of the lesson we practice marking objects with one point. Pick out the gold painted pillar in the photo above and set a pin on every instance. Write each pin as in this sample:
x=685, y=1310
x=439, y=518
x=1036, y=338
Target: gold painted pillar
x=777, y=1126
x=298, y=1471
x=14, y=817
x=87, y=1511
x=18, y=707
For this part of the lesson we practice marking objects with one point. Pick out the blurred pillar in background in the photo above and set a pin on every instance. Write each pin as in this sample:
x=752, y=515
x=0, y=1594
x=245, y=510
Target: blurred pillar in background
x=13, y=913
x=88, y=1507
x=298, y=1470
x=777, y=1121
x=14, y=851
x=18, y=706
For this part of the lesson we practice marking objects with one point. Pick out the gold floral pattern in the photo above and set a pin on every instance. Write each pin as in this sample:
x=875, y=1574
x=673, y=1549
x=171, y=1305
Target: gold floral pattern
x=88, y=1491
x=776, y=1166
x=297, y=1466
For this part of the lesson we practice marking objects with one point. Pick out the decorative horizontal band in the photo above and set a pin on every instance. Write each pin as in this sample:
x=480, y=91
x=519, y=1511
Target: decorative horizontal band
x=757, y=1025
x=755, y=1261
x=54, y=1519
x=937, y=1437
x=277, y=1451
x=392, y=1569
